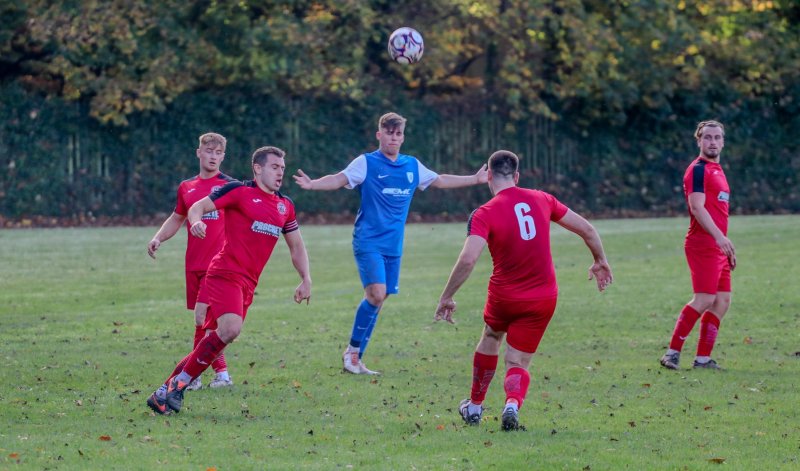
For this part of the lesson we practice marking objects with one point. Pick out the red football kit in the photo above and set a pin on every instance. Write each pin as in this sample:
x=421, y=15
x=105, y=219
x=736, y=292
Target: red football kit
x=254, y=221
x=522, y=290
x=709, y=266
x=199, y=252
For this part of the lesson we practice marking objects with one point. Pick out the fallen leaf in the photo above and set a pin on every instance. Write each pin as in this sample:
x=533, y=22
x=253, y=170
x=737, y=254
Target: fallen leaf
x=105, y=438
x=645, y=385
x=78, y=403
x=211, y=469
x=487, y=443
x=296, y=384
x=13, y=456
x=632, y=423
x=760, y=434
x=748, y=340
x=716, y=460
x=440, y=427
x=707, y=408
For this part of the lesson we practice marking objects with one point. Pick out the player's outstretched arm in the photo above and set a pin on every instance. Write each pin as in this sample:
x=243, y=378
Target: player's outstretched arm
x=195, y=216
x=170, y=227
x=458, y=181
x=600, y=270
x=328, y=182
x=297, y=250
x=473, y=247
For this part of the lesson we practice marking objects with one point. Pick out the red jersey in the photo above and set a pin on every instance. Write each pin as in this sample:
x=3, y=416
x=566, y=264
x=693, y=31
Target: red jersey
x=516, y=226
x=707, y=177
x=199, y=252
x=254, y=220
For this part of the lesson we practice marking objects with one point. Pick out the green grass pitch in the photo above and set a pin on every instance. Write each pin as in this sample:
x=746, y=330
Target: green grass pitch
x=89, y=326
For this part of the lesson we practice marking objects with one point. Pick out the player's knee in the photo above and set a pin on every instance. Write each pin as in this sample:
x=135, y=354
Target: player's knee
x=375, y=295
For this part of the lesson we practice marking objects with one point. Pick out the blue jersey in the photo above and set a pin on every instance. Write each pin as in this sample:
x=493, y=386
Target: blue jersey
x=386, y=188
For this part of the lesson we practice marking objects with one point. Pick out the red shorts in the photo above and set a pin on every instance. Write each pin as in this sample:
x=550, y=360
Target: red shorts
x=195, y=288
x=524, y=321
x=711, y=271
x=227, y=294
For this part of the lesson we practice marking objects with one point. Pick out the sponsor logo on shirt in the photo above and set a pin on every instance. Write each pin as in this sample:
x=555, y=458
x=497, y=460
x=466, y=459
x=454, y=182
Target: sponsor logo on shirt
x=191, y=190
x=266, y=228
x=397, y=191
x=216, y=187
x=410, y=176
x=213, y=215
x=724, y=196
x=281, y=207
x=256, y=200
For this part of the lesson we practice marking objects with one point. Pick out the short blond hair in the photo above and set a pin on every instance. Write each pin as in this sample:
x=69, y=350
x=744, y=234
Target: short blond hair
x=698, y=133
x=213, y=138
x=391, y=121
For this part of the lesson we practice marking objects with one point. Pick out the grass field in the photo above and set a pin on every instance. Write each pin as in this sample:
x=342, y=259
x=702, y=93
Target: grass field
x=89, y=326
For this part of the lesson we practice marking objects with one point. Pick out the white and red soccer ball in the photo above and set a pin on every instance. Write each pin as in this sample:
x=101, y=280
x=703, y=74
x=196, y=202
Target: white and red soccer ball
x=406, y=46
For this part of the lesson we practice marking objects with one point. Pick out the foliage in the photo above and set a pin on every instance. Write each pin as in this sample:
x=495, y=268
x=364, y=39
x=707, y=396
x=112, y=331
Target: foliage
x=620, y=84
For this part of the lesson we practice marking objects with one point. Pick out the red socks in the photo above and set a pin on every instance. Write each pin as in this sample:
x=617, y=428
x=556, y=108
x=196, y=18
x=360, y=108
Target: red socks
x=516, y=385
x=709, y=326
x=205, y=353
x=683, y=327
x=219, y=364
x=483, y=368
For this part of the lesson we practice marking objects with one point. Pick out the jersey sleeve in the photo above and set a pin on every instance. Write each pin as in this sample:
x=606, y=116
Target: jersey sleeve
x=180, y=204
x=426, y=176
x=226, y=195
x=291, y=224
x=694, y=180
x=356, y=172
x=477, y=224
x=557, y=208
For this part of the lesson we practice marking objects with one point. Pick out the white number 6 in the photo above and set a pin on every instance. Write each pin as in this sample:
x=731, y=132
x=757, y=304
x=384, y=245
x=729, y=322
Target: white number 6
x=527, y=229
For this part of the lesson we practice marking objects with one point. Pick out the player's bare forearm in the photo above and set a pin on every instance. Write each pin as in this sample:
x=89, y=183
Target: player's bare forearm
x=170, y=227
x=299, y=255
x=458, y=181
x=467, y=259
x=326, y=183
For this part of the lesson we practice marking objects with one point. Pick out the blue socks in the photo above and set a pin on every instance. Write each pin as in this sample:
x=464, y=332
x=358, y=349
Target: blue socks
x=363, y=324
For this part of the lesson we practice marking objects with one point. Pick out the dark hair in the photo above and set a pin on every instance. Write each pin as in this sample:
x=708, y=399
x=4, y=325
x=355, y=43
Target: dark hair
x=260, y=155
x=504, y=163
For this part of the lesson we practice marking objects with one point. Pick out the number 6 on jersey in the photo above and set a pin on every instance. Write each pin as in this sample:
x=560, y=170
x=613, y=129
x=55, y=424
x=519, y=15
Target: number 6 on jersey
x=527, y=229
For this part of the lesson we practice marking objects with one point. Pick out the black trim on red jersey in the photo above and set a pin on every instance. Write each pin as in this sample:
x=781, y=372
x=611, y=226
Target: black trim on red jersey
x=469, y=222
x=698, y=177
x=227, y=178
x=225, y=189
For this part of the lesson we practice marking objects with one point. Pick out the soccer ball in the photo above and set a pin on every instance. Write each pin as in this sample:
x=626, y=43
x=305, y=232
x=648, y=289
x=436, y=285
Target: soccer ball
x=405, y=45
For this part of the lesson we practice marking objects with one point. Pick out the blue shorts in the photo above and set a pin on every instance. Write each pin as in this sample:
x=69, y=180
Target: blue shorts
x=376, y=268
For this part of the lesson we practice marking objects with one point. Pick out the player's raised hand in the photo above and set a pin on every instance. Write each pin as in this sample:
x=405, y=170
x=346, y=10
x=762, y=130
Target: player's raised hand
x=303, y=291
x=302, y=179
x=482, y=175
x=152, y=247
x=198, y=229
x=601, y=273
x=445, y=310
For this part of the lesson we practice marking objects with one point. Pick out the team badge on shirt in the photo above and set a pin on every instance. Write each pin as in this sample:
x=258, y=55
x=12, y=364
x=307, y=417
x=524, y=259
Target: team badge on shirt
x=410, y=176
x=281, y=207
